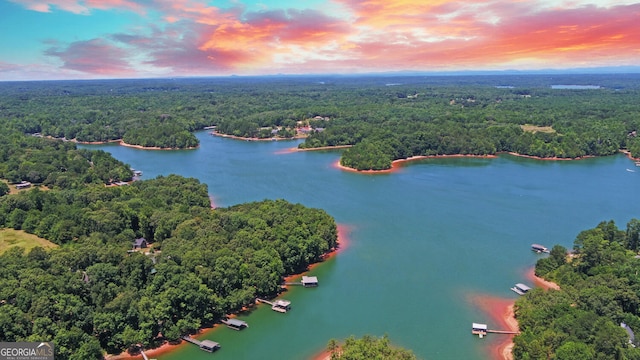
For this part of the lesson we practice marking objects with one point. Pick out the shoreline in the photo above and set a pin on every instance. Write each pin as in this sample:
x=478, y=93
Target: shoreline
x=166, y=347
x=540, y=282
x=215, y=133
x=397, y=164
x=122, y=143
x=323, y=148
x=501, y=312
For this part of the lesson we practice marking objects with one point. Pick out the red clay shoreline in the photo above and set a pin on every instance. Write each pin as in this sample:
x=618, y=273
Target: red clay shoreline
x=122, y=143
x=501, y=313
x=395, y=164
x=343, y=242
x=215, y=133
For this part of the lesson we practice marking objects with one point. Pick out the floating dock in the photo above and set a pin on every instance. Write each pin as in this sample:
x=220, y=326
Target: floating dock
x=206, y=345
x=279, y=305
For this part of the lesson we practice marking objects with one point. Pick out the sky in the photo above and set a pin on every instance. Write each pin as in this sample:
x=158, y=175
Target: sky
x=87, y=39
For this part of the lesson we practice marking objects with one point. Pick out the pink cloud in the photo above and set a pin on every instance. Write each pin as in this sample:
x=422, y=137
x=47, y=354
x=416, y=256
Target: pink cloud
x=374, y=35
x=7, y=67
x=494, y=34
x=94, y=56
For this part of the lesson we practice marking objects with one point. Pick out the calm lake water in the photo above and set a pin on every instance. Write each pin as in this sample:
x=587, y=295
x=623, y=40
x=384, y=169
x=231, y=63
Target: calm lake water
x=422, y=241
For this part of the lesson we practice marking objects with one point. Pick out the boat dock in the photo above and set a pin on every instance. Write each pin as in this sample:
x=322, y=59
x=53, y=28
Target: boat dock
x=539, y=248
x=307, y=281
x=279, y=305
x=481, y=330
x=206, y=345
x=520, y=289
x=264, y=301
x=235, y=324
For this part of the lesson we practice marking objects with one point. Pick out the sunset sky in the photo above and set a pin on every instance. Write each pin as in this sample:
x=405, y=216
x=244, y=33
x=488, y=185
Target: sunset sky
x=81, y=39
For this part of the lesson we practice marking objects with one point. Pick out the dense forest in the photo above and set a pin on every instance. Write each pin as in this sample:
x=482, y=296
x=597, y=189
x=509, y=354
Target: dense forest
x=599, y=291
x=385, y=117
x=56, y=164
x=94, y=294
x=367, y=347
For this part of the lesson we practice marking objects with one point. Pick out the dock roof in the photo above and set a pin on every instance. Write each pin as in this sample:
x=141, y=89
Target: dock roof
x=282, y=302
x=309, y=280
x=209, y=344
x=479, y=326
x=523, y=287
x=236, y=322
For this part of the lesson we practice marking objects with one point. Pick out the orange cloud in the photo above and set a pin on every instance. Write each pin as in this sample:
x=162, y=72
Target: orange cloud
x=491, y=34
x=373, y=35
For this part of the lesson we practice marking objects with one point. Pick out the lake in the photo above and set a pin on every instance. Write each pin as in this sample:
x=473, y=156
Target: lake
x=422, y=241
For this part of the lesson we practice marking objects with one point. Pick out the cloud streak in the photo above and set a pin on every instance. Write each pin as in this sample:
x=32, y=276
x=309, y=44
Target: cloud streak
x=191, y=37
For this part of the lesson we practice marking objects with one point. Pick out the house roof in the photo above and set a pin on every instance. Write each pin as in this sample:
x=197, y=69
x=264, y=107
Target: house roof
x=632, y=336
x=140, y=241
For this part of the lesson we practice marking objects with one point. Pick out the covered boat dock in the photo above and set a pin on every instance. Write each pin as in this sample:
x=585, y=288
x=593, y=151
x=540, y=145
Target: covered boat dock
x=235, y=324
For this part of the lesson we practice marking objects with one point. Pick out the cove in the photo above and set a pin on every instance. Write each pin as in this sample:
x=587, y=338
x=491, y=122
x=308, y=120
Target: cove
x=423, y=241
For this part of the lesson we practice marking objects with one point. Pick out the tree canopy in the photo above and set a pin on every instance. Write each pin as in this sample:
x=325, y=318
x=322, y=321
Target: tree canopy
x=367, y=347
x=398, y=116
x=95, y=294
x=599, y=289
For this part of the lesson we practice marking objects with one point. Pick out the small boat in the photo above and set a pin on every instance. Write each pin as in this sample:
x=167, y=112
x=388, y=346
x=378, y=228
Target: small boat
x=520, y=289
x=630, y=170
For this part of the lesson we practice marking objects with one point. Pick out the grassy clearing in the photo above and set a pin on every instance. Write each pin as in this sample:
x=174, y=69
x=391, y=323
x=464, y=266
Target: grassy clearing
x=12, y=238
x=534, y=128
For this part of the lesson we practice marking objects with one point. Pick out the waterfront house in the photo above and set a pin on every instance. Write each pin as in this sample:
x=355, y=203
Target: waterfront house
x=140, y=243
x=23, y=185
x=632, y=336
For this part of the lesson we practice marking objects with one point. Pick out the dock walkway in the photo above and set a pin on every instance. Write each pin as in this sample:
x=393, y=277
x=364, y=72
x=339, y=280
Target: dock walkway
x=503, y=332
x=264, y=301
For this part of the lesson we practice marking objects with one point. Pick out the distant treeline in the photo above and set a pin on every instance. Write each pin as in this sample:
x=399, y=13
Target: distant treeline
x=385, y=117
x=599, y=294
x=94, y=294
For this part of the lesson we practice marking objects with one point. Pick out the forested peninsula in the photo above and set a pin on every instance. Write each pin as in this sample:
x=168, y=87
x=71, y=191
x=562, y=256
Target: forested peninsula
x=95, y=293
x=384, y=118
x=596, y=311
